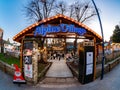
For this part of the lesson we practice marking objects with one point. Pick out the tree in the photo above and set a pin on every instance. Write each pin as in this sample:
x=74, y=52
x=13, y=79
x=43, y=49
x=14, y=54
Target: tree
x=37, y=10
x=8, y=41
x=61, y=8
x=82, y=11
x=116, y=34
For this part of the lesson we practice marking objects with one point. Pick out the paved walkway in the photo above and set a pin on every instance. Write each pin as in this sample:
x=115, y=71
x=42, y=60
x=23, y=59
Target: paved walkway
x=59, y=69
x=111, y=81
x=58, y=74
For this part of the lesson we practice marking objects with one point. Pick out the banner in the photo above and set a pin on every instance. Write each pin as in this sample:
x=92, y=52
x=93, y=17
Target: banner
x=28, y=66
x=28, y=70
x=43, y=29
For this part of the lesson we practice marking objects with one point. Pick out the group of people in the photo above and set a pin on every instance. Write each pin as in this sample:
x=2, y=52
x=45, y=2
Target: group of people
x=56, y=55
x=59, y=55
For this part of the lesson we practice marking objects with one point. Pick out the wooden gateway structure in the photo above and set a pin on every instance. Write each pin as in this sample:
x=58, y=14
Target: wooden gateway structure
x=54, y=33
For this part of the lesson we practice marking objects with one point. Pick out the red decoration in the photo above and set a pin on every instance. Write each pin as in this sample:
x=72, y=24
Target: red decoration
x=18, y=78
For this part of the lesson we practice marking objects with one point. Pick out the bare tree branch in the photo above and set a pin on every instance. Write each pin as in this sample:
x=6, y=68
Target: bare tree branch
x=81, y=11
x=71, y=11
x=47, y=6
x=40, y=9
x=88, y=17
x=84, y=10
x=60, y=8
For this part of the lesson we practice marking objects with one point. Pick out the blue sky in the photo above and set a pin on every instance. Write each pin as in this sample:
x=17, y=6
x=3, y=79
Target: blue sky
x=110, y=16
x=12, y=20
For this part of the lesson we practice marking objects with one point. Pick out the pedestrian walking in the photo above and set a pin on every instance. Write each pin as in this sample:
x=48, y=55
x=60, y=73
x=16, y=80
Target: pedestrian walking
x=54, y=55
x=59, y=57
x=51, y=56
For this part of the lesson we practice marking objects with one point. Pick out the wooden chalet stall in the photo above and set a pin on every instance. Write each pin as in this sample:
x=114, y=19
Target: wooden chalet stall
x=60, y=28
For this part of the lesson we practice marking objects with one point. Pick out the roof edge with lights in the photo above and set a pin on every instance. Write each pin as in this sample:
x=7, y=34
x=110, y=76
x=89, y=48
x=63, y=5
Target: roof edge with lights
x=52, y=18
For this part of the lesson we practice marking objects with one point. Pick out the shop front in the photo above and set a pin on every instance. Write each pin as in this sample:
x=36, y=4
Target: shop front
x=58, y=35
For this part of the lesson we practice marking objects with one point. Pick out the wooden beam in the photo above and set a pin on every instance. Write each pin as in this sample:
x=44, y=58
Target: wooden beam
x=94, y=75
x=21, y=55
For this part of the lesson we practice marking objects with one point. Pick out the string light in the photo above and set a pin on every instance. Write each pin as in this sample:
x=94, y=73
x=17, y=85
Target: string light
x=51, y=18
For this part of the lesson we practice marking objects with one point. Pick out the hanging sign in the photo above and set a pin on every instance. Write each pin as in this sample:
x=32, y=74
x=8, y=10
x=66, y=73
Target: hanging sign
x=28, y=70
x=28, y=66
x=89, y=58
x=44, y=29
x=89, y=63
x=28, y=59
x=89, y=69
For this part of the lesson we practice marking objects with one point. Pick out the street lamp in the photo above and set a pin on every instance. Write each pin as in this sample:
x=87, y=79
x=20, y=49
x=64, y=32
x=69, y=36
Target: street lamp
x=103, y=55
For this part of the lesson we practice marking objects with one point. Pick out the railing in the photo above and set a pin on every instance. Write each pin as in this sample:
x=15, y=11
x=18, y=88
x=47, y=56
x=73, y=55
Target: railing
x=108, y=57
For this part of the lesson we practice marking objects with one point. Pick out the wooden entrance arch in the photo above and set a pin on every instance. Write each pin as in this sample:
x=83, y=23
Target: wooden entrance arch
x=29, y=31
x=55, y=21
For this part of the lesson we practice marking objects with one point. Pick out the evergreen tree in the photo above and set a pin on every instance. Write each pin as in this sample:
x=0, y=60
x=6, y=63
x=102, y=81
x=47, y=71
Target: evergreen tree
x=8, y=41
x=116, y=34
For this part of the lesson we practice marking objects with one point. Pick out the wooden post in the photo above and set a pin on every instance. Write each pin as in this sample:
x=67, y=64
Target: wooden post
x=95, y=59
x=75, y=44
x=21, y=55
x=65, y=48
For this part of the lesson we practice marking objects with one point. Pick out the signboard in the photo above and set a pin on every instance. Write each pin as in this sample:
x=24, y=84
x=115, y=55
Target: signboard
x=89, y=58
x=28, y=66
x=44, y=29
x=89, y=63
x=28, y=45
x=89, y=69
x=28, y=70
x=27, y=59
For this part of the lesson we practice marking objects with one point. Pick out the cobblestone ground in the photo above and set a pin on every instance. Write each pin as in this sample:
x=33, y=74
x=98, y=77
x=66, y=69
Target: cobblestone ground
x=111, y=81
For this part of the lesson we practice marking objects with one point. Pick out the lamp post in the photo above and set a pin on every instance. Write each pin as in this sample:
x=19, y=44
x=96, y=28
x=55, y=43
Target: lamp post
x=103, y=55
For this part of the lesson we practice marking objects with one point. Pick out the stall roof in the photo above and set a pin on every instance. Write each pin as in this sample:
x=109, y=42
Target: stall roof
x=55, y=20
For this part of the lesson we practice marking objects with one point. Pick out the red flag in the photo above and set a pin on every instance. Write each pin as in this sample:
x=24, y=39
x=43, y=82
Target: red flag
x=18, y=78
